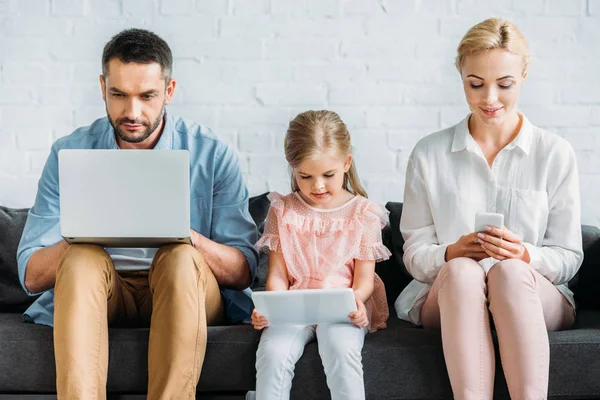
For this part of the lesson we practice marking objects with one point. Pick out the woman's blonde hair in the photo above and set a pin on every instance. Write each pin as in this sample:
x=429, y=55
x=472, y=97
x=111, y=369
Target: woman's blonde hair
x=493, y=33
x=314, y=132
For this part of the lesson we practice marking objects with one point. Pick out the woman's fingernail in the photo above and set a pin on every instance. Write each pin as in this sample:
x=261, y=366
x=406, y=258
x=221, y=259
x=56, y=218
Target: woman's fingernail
x=481, y=235
x=488, y=228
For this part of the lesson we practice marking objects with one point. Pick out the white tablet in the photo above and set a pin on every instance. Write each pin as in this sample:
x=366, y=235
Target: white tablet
x=305, y=306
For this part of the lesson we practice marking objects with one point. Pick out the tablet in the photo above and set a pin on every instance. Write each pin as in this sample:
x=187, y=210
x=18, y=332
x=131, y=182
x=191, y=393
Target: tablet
x=305, y=306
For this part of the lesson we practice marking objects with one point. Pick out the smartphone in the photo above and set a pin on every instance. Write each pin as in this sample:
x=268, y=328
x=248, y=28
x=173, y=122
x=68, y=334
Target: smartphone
x=483, y=219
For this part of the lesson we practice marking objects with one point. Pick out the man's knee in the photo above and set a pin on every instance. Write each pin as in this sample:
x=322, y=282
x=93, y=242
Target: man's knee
x=177, y=262
x=84, y=260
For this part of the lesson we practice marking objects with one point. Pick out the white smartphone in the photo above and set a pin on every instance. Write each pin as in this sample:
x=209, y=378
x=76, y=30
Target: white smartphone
x=483, y=219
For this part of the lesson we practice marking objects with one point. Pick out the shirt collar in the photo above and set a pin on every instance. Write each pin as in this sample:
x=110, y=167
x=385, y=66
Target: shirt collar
x=463, y=139
x=165, y=142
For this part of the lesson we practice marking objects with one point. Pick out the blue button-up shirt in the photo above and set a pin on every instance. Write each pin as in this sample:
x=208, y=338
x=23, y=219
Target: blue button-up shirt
x=218, y=207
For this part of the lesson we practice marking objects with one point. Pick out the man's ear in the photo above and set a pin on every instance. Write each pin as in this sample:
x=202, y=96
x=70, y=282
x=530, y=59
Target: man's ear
x=170, y=90
x=103, y=87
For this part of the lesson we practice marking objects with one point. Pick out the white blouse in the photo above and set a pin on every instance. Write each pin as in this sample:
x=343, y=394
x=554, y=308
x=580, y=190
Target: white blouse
x=533, y=181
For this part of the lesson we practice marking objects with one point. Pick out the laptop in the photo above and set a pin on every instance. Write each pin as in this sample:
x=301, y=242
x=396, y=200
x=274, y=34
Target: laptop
x=124, y=198
x=305, y=306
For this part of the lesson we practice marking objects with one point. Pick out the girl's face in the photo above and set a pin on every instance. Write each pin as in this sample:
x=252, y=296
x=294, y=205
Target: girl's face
x=321, y=178
x=492, y=82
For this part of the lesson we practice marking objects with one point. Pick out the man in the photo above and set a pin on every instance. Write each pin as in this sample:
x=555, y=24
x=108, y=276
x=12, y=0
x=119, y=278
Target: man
x=177, y=289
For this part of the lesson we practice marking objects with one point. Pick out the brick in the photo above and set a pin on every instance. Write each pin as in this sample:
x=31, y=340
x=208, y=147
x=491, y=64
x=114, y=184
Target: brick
x=21, y=190
x=445, y=94
x=34, y=139
x=244, y=163
x=273, y=166
x=381, y=162
x=57, y=95
x=339, y=72
x=400, y=7
x=383, y=190
x=354, y=117
x=250, y=7
x=241, y=117
x=582, y=138
x=86, y=95
x=32, y=8
x=256, y=186
x=22, y=49
x=412, y=71
x=219, y=94
x=12, y=163
x=389, y=27
x=71, y=8
x=565, y=8
x=291, y=27
x=212, y=7
x=203, y=115
x=75, y=49
x=185, y=29
x=559, y=116
x=529, y=7
x=301, y=50
x=594, y=7
x=281, y=94
x=580, y=93
x=256, y=72
x=177, y=7
x=405, y=140
x=436, y=48
x=403, y=117
x=278, y=185
x=106, y=9
x=37, y=161
x=369, y=141
x=452, y=115
x=379, y=49
x=362, y=7
x=256, y=142
x=227, y=49
x=328, y=8
x=7, y=140
x=139, y=8
x=36, y=73
x=85, y=115
x=379, y=94
x=102, y=30
x=588, y=162
x=192, y=72
x=16, y=94
x=21, y=117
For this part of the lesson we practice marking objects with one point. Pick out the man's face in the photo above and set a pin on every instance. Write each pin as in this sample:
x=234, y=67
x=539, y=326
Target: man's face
x=135, y=97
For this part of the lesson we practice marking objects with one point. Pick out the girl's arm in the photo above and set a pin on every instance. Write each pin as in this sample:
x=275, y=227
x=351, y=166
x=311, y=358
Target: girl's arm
x=277, y=277
x=364, y=278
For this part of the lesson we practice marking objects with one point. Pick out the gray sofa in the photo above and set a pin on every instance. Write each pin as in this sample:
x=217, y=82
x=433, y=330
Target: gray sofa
x=400, y=362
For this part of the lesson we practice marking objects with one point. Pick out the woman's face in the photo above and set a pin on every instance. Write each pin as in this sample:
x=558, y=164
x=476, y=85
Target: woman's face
x=492, y=82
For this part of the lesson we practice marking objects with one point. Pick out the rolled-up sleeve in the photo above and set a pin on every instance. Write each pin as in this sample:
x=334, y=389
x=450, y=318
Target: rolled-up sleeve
x=423, y=255
x=42, y=228
x=232, y=224
x=560, y=254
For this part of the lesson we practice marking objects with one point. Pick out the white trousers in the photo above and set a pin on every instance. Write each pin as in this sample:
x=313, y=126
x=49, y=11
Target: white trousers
x=340, y=347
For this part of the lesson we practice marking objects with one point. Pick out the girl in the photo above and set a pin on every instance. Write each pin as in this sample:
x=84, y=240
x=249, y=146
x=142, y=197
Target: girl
x=495, y=160
x=325, y=234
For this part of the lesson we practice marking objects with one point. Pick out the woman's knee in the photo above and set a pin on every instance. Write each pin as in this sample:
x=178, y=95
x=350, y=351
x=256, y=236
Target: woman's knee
x=462, y=274
x=510, y=274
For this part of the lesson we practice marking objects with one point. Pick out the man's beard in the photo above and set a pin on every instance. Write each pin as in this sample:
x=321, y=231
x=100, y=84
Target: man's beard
x=150, y=128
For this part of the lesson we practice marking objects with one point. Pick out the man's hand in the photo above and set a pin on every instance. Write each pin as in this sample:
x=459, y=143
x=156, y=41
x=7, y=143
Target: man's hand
x=467, y=246
x=359, y=317
x=196, y=239
x=502, y=244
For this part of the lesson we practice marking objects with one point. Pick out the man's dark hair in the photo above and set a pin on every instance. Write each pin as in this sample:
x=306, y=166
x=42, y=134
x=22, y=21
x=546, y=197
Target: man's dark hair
x=138, y=46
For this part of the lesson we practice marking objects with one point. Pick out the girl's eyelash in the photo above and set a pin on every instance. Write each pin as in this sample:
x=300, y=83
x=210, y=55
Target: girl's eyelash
x=304, y=177
x=476, y=86
x=329, y=176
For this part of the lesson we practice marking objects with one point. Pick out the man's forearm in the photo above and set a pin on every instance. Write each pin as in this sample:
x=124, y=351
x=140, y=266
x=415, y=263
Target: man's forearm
x=41, y=269
x=228, y=264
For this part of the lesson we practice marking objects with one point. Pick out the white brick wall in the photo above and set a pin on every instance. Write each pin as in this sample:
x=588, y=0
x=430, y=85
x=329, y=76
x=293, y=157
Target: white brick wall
x=246, y=67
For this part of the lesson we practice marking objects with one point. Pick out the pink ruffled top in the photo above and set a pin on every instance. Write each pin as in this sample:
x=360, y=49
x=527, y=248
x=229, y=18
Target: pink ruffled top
x=319, y=246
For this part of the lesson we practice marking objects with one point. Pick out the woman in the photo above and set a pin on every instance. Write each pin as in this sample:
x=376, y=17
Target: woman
x=496, y=161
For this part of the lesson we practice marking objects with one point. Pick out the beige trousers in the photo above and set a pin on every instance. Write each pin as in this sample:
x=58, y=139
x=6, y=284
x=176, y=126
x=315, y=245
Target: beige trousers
x=178, y=298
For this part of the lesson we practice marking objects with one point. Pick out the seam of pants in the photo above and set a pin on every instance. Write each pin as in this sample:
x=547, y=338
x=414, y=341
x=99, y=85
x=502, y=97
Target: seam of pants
x=283, y=368
x=197, y=349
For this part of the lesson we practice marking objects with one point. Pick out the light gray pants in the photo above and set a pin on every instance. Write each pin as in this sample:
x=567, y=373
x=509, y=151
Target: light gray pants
x=340, y=348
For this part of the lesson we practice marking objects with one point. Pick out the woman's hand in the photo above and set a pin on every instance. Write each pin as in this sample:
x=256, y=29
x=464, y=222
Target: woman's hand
x=258, y=321
x=502, y=244
x=467, y=246
x=359, y=317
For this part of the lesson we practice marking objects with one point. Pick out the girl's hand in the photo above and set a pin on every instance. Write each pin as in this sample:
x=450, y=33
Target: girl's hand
x=359, y=317
x=502, y=244
x=467, y=246
x=258, y=321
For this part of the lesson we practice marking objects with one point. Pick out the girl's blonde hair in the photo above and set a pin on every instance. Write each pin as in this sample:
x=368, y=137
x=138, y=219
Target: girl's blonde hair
x=493, y=33
x=314, y=132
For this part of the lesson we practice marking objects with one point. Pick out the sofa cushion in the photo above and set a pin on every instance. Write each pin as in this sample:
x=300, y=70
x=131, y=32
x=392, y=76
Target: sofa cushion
x=586, y=284
x=259, y=207
x=12, y=296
